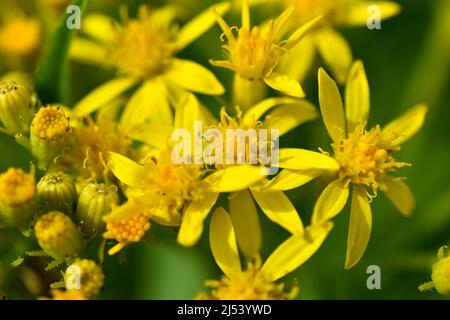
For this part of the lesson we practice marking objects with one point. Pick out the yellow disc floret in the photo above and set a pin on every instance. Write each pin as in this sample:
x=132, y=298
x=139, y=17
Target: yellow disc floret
x=249, y=285
x=20, y=36
x=366, y=156
x=144, y=45
x=127, y=230
x=84, y=277
x=50, y=123
x=58, y=236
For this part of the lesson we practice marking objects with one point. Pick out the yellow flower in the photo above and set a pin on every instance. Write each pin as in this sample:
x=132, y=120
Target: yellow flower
x=253, y=54
x=257, y=282
x=362, y=158
x=440, y=277
x=93, y=139
x=190, y=201
x=64, y=295
x=20, y=36
x=86, y=275
x=143, y=50
x=330, y=44
x=17, y=197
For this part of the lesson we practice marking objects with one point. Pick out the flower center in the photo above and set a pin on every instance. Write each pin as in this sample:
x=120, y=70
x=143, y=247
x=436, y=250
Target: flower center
x=254, y=54
x=53, y=226
x=144, y=46
x=176, y=184
x=250, y=285
x=16, y=187
x=366, y=156
x=20, y=36
x=50, y=123
x=127, y=230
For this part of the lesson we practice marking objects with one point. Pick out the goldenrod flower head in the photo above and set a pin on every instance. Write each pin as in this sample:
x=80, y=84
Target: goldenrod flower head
x=127, y=224
x=362, y=158
x=50, y=133
x=95, y=201
x=365, y=157
x=20, y=36
x=258, y=281
x=143, y=46
x=92, y=141
x=251, y=284
x=57, y=192
x=64, y=295
x=58, y=236
x=16, y=107
x=254, y=52
x=440, y=275
x=17, y=197
x=87, y=276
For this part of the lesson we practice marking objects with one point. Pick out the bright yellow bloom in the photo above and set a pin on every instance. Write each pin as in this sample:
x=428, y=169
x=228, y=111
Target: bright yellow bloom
x=330, y=44
x=93, y=139
x=87, y=275
x=143, y=50
x=17, y=197
x=20, y=36
x=440, y=277
x=64, y=295
x=253, y=54
x=362, y=158
x=190, y=201
x=257, y=282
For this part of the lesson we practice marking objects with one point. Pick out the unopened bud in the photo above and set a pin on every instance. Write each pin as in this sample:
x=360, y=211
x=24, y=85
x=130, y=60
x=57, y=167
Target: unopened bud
x=16, y=107
x=85, y=277
x=56, y=192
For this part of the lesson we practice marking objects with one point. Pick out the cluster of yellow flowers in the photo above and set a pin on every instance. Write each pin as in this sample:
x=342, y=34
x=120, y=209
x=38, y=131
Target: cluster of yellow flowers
x=104, y=167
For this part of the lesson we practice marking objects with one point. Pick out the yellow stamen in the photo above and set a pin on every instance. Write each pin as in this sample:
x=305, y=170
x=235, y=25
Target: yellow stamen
x=50, y=123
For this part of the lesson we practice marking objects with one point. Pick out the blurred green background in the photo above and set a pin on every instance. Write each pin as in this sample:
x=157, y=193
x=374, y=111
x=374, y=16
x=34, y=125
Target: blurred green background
x=407, y=62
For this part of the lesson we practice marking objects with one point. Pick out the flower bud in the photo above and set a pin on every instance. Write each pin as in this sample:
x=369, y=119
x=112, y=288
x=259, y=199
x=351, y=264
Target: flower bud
x=56, y=191
x=94, y=203
x=16, y=107
x=50, y=134
x=58, y=236
x=84, y=277
x=17, y=197
x=441, y=275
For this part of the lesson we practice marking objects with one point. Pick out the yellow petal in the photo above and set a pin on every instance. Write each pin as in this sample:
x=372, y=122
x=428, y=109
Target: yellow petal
x=88, y=52
x=357, y=96
x=188, y=111
x=301, y=159
x=279, y=209
x=152, y=133
x=193, y=77
x=192, y=224
x=300, y=33
x=199, y=25
x=102, y=95
x=288, y=179
x=284, y=84
x=258, y=110
x=331, y=106
x=165, y=218
x=246, y=223
x=331, y=201
x=360, y=227
x=245, y=15
x=287, y=117
x=407, y=125
x=297, y=62
x=401, y=196
x=295, y=251
x=335, y=51
x=223, y=244
x=126, y=170
x=100, y=27
x=235, y=178
x=357, y=13
x=148, y=103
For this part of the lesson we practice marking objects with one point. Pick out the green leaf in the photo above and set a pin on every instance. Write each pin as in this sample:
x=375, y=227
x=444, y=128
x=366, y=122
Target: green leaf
x=52, y=79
